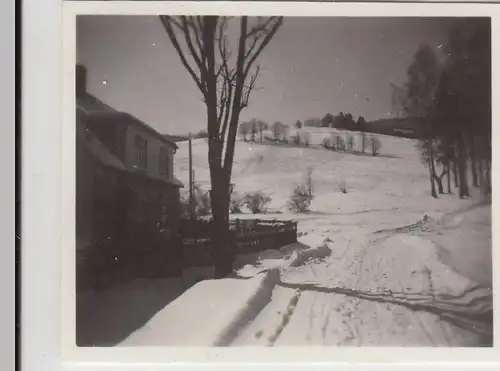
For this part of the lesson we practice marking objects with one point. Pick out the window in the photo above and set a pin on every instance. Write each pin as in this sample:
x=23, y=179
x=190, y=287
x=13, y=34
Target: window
x=163, y=162
x=141, y=152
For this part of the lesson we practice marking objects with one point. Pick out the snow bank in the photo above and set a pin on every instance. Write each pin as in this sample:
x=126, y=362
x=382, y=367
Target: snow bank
x=209, y=314
x=300, y=257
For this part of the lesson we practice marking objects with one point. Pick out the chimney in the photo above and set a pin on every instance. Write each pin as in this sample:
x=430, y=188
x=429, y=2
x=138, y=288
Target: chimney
x=81, y=80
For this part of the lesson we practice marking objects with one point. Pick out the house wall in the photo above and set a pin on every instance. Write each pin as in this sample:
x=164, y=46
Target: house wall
x=154, y=145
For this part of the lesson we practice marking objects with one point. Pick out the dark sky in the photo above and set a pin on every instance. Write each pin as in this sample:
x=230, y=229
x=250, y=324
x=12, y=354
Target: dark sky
x=311, y=67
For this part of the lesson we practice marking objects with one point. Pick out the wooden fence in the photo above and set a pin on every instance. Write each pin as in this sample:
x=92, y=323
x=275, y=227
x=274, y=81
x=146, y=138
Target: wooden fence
x=252, y=235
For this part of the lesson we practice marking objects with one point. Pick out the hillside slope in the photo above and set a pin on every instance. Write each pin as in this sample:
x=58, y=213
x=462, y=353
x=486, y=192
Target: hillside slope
x=395, y=179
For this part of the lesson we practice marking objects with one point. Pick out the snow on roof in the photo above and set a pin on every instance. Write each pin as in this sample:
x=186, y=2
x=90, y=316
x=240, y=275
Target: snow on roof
x=102, y=154
x=97, y=148
x=95, y=108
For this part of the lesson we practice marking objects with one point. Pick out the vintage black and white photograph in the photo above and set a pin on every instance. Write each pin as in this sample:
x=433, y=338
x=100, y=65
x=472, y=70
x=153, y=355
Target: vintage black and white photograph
x=283, y=181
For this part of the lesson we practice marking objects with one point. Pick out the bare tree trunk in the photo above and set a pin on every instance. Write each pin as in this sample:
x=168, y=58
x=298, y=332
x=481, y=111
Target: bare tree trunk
x=260, y=131
x=473, y=160
x=222, y=249
x=455, y=173
x=437, y=178
x=431, y=178
x=480, y=171
x=448, y=176
x=488, y=177
x=225, y=94
x=462, y=168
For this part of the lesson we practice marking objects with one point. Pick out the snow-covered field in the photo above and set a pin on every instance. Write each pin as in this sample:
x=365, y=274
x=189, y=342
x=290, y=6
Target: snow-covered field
x=384, y=264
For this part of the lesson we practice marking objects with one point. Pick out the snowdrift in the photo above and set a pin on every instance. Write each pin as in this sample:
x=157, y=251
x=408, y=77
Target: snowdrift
x=209, y=314
x=293, y=255
x=300, y=257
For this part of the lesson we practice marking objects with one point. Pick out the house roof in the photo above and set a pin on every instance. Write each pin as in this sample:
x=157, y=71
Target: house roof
x=101, y=153
x=95, y=108
x=96, y=148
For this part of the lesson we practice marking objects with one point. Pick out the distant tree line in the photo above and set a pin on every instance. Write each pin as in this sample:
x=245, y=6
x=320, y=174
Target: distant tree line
x=202, y=134
x=452, y=95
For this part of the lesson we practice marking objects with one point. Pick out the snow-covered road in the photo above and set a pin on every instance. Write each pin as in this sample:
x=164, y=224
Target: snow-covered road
x=375, y=289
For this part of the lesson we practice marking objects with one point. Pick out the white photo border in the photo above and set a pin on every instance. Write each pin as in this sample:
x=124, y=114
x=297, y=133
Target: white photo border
x=51, y=242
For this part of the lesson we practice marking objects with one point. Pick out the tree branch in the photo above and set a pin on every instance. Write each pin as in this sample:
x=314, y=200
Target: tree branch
x=186, y=26
x=167, y=22
x=269, y=35
x=248, y=89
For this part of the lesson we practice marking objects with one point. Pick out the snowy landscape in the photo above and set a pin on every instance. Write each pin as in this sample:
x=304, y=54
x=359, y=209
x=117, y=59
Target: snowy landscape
x=230, y=222
x=384, y=264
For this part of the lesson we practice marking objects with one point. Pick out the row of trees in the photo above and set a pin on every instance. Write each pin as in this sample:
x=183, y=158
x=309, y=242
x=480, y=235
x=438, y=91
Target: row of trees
x=453, y=94
x=338, y=143
x=250, y=129
x=342, y=121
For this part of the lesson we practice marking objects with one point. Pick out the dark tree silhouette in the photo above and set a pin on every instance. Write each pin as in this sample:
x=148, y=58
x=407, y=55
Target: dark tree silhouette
x=298, y=125
x=261, y=127
x=423, y=79
x=202, y=43
x=278, y=130
x=463, y=102
x=327, y=120
x=254, y=128
x=455, y=100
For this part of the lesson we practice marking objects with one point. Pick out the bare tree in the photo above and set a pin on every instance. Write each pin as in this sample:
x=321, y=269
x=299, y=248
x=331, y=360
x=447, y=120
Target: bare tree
x=254, y=128
x=202, y=43
x=278, y=130
x=244, y=129
x=361, y=124
x=261, y=127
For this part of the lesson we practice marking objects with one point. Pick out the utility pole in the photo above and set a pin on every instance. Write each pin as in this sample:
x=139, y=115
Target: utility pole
x=191, y=213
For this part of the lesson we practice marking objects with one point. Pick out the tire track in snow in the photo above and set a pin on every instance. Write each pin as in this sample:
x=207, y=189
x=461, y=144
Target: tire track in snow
x=476, y=315
x=326, y=322
x=292, y=304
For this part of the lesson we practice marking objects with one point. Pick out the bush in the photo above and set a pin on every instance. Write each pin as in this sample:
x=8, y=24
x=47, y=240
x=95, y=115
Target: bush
x=235, y=204
x=256, y=202
x=326, y=143
x=300, y=201
x=295, y=139
x=302, y=195
x=201, y=203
